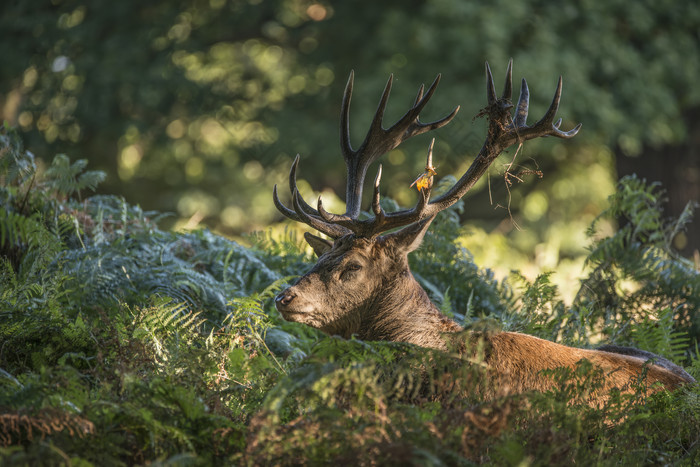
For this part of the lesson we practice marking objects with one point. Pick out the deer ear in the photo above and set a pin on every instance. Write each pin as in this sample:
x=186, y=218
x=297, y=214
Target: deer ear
x=318, y=244
x=410, y=237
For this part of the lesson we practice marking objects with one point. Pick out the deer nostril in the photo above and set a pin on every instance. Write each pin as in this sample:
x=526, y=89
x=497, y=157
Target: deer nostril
x=285, y=298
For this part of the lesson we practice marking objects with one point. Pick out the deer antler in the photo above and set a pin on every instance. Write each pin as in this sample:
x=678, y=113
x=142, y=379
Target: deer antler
x=503, y=132
x=377, y=142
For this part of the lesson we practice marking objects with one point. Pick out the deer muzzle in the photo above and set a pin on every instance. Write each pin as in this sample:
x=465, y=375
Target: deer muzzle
x=288, y=304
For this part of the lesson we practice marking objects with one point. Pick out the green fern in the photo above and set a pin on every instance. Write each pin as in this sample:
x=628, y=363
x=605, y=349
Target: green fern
x=660, y=336
x=68, y=179
x=168, y=346
x=640, y=254
x=17, y=166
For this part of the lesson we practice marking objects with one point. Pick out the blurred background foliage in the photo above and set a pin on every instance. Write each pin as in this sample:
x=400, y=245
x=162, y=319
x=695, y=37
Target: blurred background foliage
x=197, y=107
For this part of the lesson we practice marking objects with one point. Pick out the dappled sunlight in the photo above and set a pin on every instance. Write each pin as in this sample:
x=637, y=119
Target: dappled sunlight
x=500, y=254
x=535, y=206
x=552, y=222
x=197, y=202
x=232, y=217
x=129, y=160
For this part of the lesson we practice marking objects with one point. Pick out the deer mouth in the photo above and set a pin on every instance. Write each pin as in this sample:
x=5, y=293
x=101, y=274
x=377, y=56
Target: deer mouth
x=292, y=316
x=291, y=311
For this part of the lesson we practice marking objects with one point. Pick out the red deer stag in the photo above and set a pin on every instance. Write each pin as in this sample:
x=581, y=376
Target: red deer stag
x=362, y=285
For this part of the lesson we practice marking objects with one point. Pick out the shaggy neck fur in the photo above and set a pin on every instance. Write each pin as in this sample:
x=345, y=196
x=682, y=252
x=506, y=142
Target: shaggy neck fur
x=406, y=314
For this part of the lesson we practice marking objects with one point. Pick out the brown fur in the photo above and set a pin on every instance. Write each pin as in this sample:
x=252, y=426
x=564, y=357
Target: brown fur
x=518, y=359
x=364, y=287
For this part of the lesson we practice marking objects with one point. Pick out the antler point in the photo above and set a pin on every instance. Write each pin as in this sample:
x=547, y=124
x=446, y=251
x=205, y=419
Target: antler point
x=490, y=89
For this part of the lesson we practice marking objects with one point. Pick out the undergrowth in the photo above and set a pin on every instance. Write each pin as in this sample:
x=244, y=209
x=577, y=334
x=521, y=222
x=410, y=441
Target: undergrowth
x=122, y=344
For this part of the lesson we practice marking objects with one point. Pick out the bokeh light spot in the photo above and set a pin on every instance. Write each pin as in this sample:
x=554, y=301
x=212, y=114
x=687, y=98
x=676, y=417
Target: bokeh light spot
x=317, y=12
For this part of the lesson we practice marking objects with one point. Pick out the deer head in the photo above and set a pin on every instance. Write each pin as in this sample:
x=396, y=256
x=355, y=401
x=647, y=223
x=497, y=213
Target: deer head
x=361, y=283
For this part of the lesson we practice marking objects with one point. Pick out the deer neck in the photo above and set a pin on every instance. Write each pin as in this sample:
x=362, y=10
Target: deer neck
x=404, y=313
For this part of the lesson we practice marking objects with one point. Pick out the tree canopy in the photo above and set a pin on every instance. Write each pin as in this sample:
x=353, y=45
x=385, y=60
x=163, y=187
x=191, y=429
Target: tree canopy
x=198, y=107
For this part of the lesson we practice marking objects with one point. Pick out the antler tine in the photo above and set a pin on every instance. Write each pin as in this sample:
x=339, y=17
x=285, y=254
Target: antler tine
x=548, y=118
x=567, y=134
x=329, y=217
x=421, y=127
x=411, y=119
x=546, y=125
x=376, y=207
x=375, y=129
x=376, y=125
x=508, y=86
x=282, y=208
x=345, y=145
x=551, y=112
x=490, y=88
x=438, y=123
x=429, y=158
x=293, y=186
x=419, y=96
x=523, y=105
x=414, y=111
x=331, y=229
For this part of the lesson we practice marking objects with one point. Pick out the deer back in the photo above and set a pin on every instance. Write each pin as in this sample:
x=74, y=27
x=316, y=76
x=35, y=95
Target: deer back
x=518, y=362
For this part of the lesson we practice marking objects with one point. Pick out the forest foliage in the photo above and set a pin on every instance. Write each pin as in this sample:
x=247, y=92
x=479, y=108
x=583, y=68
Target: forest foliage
x=122, y=344
x=197, y=107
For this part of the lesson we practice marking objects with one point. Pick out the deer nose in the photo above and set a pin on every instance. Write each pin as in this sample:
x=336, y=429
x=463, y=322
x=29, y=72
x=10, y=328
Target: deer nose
x=284, y=298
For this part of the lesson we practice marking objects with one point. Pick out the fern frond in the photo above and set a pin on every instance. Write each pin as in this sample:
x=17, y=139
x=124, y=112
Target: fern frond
x=17, y=166
x=659, y=336
x=637, y=277
x=66, y=178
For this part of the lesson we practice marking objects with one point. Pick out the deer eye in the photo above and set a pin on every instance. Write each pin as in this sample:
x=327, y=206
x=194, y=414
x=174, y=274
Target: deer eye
x=349, y=270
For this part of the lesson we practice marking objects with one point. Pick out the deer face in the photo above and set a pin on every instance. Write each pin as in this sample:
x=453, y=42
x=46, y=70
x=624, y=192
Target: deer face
x=334, y=291
x=343, y=291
